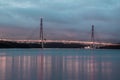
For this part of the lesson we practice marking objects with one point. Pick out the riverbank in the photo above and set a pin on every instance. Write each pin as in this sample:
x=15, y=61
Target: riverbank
x=10, y=44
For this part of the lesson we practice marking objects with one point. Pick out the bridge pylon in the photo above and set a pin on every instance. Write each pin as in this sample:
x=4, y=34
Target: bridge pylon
x=41, y=33
x=92, y=37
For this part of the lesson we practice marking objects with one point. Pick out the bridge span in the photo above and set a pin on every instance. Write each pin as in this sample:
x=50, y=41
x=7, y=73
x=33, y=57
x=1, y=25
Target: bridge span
x=60, y=41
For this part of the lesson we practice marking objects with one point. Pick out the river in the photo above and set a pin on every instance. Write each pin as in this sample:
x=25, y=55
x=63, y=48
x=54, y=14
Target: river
x=59, y=64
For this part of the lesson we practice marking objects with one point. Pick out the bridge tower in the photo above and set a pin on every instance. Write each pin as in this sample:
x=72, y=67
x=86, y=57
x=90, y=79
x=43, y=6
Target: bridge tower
x=92, y=37
x=41, y=33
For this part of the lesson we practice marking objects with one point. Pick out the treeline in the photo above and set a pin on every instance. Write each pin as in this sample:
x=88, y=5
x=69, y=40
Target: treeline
x=111, y=47
x=8, y=44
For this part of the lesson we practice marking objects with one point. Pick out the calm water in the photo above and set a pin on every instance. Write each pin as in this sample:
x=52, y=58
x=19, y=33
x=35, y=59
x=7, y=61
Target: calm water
x=59, y=64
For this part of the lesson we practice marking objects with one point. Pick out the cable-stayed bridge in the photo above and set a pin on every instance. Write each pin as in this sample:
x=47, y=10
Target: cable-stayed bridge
x=92, y=43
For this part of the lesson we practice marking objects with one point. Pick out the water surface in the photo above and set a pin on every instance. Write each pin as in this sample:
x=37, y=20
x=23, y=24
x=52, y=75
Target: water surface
x=59, y=64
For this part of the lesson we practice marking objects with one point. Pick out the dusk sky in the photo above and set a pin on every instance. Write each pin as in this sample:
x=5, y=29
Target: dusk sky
x=63, y=19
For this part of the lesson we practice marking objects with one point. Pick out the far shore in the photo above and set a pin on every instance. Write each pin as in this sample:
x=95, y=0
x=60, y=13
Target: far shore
x=12, y=44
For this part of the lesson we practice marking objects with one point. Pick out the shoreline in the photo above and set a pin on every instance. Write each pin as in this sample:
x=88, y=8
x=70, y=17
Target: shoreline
x=10, y=44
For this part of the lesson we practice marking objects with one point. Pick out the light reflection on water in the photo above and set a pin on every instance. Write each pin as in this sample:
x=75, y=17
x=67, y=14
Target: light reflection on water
x=60, y=66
